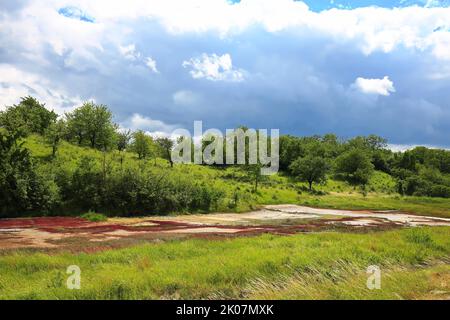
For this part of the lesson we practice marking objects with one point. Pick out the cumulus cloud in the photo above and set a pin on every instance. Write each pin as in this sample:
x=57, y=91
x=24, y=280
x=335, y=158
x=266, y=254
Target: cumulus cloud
x=214, y=68
x=373, y=28
x=15, y=83
x=383, y=87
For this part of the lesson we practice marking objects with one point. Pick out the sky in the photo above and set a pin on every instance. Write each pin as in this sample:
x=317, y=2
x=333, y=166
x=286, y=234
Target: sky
x=304, y=67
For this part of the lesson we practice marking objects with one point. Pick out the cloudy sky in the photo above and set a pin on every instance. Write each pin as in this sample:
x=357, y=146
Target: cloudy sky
x=304, y=67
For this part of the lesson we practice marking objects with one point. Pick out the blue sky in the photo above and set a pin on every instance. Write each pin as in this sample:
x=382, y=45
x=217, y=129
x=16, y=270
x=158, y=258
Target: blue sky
x=320, y=5
x=283, y=64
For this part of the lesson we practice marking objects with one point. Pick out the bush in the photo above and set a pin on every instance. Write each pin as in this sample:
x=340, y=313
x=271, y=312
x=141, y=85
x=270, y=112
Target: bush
x=440, y=191
x=94, y=217
x=354, y=166
x=23, y=188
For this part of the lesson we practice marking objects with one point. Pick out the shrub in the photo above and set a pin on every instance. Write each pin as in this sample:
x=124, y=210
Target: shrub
x=94, y=217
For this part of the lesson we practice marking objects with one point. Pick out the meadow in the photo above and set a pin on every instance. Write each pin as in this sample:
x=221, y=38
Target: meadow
x=414, y=264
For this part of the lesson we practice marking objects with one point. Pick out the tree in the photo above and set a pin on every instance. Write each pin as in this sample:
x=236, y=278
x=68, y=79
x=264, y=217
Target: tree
x=254, y=173
x=290, y=149
x=29, y=116
x=310, y=169
x=123, y=140
x=355, y=166
x=93, y=123
x=22, y=188
x=142, y=144
x=166, y=145
x=54, y=134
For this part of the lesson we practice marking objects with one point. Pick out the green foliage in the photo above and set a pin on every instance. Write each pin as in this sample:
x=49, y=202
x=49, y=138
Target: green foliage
x=310, y=169
x=142, y=144
x=29, y=116
x=94, y=217
x=165, y=147
x=23, y=189
x=54, y=134
x=355, y=166
x=58, y=175
x=92, y=124
x=123, y=140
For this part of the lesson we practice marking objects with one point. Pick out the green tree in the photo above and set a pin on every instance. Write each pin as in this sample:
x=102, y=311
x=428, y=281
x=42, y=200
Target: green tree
x=310, y=169
x=291, y=148
x=92, y=123
x=142, y=144
x=166, y=145
x=54, y=133
x=29, y=116
x=22, y=188
x=123, y=140
x=254, y=173
x=355, y=166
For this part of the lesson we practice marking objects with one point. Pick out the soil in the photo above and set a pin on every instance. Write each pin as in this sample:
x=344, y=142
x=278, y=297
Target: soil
x=77, y=234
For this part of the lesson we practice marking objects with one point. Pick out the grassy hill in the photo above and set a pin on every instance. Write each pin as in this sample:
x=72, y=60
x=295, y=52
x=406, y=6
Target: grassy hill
x=236, y=187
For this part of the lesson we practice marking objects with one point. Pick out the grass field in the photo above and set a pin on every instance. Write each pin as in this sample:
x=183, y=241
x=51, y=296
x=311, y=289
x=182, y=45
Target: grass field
x=413, y=262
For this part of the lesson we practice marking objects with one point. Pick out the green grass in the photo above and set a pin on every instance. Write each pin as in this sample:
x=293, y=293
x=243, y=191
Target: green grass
x=323, y=265
x=277, y=189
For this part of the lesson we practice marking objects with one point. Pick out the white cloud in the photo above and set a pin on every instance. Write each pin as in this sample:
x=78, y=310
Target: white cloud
x=129, y=52
x=371, y=28
x=214, y=68
x=15, y=84
x=151, y=63
x=406, y=147
x=140, y=122
x=382, y=87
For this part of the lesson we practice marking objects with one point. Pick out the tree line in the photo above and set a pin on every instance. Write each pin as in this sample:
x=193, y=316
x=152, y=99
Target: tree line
x=31, y=186
x=419, y=172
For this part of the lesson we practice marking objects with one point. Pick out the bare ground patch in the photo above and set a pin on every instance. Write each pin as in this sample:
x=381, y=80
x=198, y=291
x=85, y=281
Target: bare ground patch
x=81, y=235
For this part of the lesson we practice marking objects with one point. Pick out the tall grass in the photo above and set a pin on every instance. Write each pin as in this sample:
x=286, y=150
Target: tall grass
x=266, y=266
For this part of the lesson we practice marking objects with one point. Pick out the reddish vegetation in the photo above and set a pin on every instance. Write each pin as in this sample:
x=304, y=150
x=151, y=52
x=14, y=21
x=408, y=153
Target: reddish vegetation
x=98, y=235
x=75, y=225
x=43, y=222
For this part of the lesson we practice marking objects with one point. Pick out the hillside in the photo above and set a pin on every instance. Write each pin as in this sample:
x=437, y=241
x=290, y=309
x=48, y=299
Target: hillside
x=235, y=187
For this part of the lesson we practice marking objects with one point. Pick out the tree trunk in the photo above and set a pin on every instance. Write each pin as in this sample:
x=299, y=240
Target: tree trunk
x=310, y=185
x=93, y=138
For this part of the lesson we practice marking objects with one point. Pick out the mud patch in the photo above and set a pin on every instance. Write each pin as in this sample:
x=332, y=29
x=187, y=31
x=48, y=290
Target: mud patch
x=208, y=230
x=80, y=234
x=387, y=216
